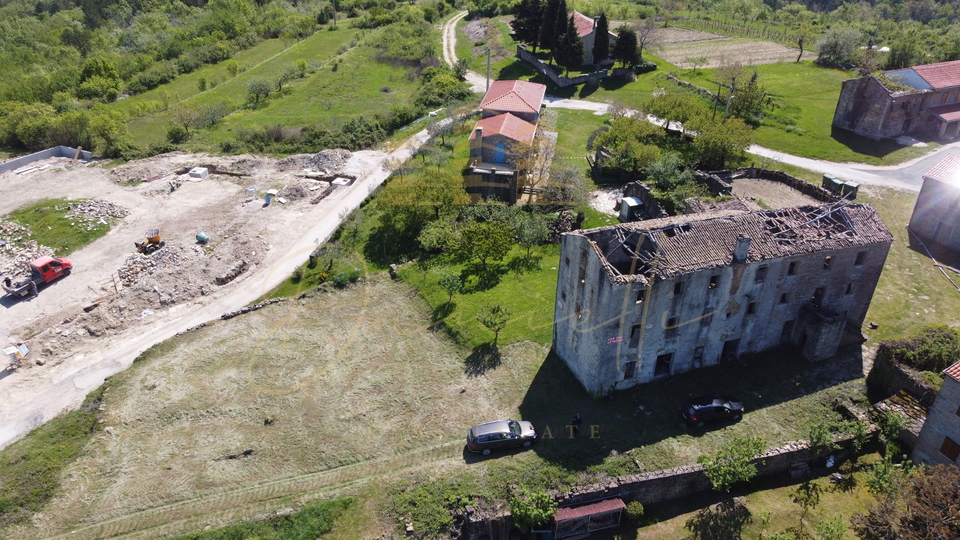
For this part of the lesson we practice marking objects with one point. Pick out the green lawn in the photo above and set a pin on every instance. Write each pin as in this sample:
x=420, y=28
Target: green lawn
x=49, y=226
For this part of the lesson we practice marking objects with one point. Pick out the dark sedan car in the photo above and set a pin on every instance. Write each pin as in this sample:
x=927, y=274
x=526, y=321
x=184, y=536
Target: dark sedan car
x=491, y=436
x=703, y=409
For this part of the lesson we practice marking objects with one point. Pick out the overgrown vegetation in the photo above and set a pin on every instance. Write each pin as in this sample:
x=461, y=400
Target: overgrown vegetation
x=733, y=463
x=50, y=226
x=310, y=522
x=31, y=469
x=933, y=349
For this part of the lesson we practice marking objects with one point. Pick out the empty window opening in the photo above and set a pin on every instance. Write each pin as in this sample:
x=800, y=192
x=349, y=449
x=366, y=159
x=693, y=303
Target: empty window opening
x=827, y=262
x=678, y=287
x=861, y=258
x=629, y=370
x=784, y=298
x=566, y=261
x=761, y=274
x=663, y=365
x=849, y=289
x=641, y=294
x=714, y=281
x=949, y=447
x=583, y=273
x=787, y=332
x=817, y=299
x=672, y=323
x=579, y=311
x=752, y=308
x=958, y=411
x=792, y=269
x=634, y=336
x=698, y=356
x=563, y=296
x=730, y=349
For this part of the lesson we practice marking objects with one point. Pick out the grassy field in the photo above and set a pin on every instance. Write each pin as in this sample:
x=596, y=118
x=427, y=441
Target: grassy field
x=49, y=226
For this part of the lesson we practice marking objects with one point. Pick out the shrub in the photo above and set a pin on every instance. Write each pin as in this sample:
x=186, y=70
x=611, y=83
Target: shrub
x=531, y=509
x=634, y=511
x=934, y=349
x=177, y=134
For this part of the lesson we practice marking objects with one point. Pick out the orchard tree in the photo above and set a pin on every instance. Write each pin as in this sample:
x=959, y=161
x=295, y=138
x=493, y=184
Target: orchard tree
x=926, y=505
x=532, y=231
x=495, y=318
x=733, y=463
x=717, y=141
x=488, y=240
x=258, y=87
x=838, y=44
x=601, y=40
x=451, y=284
x=673, y=108
x=625, y=50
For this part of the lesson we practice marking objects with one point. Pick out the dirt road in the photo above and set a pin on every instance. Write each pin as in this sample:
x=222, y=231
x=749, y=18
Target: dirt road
x=276, y=239
x=478, y=83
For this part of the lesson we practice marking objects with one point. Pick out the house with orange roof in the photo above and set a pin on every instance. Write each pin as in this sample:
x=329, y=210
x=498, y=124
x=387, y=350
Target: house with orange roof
x=936, y=214
x=587, y=30
x=921, y=101
x=939, y=440
x=510, y=111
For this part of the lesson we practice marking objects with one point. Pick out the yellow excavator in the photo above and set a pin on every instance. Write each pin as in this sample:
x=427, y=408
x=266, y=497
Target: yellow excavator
x=152, y=244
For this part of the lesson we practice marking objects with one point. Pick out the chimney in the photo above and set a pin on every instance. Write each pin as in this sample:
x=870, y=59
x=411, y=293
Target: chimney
x=595, y=19
x=476, y=143
x=743, y=246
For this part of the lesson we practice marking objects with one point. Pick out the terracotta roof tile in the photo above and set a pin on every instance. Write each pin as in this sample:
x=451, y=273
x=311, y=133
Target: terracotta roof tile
x=942, y=75
x=684, y=244
x=953, y=371
x=947, y=171
x=609, y=505
x=583, y=23
x=507, y=125
x=947, y=113
x=514, y=96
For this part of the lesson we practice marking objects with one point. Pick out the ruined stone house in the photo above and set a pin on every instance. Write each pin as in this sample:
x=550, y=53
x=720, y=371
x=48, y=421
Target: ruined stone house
x=925, y=102
x=510, y=111
x=936, y=214
x=648, y=299
x=939, y=441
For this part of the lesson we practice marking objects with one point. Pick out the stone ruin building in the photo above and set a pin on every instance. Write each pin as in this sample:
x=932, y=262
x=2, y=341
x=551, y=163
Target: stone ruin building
x=648, y=299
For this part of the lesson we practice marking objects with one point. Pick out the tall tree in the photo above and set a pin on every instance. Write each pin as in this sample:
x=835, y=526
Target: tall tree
x=548, y=23
x=526, y=22
x=570, y=49
x=625, y=50
x=648, y=35
x=559, y=29
x=601, y=40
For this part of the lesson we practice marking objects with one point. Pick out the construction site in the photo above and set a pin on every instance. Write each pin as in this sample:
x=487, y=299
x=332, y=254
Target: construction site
x=186, y=232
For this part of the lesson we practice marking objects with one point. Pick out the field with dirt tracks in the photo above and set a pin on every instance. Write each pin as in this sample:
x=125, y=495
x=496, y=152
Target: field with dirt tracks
x=681, y=44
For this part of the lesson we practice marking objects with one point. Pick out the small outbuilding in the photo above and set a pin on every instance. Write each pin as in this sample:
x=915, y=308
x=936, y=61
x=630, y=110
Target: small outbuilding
x=582, y=520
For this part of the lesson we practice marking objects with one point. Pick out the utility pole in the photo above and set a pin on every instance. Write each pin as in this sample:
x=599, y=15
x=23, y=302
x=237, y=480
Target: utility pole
x=726, y=113
x=488, y=68
x=334, y=2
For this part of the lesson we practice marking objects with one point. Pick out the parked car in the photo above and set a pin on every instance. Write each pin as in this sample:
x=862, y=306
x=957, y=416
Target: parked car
x=703, y=409
x=491, y=436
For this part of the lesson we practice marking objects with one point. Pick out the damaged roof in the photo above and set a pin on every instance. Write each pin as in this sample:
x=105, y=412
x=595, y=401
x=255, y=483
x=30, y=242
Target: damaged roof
x=682, y=244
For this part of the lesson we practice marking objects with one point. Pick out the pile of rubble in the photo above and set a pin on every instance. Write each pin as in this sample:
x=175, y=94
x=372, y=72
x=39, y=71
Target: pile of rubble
x=138, y=265
x=92, y=214
x=330, y=160
x=15, y=260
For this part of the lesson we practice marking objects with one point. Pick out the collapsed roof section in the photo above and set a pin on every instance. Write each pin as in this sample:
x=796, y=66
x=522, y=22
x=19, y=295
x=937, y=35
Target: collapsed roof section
x=641, y=250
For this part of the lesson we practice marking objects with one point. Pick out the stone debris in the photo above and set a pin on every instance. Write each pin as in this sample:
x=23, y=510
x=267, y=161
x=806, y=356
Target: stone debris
x=295, y=192
x=15, y=257
x=327, y=162
x=139, y=265
x=93, y=214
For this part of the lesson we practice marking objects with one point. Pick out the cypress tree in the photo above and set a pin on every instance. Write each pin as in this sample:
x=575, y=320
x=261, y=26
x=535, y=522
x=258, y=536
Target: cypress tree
x=526, y=22
x=571, y=47
x=547, y=24
x=559, y=27
x=601, y=40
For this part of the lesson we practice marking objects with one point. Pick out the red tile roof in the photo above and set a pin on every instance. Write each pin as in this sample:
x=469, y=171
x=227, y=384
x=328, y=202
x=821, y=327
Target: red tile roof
x=954, y=371
x=942, y=75
x=609, y=505
x=507, y=125
x=514, y=96
x=583, y=23
x=947, y=170
x=947, y=113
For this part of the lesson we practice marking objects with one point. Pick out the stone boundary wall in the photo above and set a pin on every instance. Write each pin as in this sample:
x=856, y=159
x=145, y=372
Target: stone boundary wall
x=813, y=191
x=552, y=74
x=652, y=487
x=698, y=89
x=891, y=378
x=56, y=151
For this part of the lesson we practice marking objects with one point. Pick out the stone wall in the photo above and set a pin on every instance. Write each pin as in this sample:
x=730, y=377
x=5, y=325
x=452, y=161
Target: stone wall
x=552, y=74
x=703, y=92
x=654, y=486
x=888, y=378
x=813, y=191
x=652, y=209
x=942, y=422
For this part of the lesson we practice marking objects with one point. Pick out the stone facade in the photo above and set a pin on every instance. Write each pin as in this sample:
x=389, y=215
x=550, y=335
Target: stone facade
x=869, y=109
x=648, y=299
x=939, y=441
